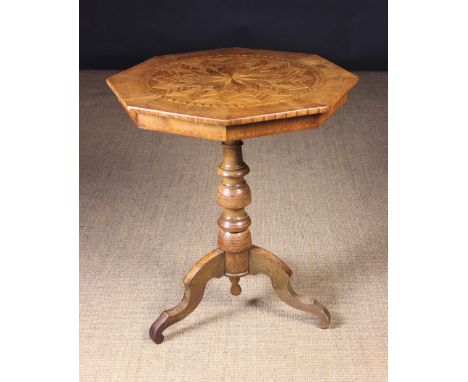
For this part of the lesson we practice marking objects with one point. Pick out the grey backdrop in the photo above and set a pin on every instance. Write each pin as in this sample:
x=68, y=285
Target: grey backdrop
x=121, y=33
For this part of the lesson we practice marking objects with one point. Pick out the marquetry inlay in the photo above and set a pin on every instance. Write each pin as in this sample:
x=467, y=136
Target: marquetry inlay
x=234, y=80
x=232, y=93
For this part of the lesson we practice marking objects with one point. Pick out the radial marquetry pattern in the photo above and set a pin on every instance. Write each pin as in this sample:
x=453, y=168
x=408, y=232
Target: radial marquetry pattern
x=232, y=93
x=231, y=80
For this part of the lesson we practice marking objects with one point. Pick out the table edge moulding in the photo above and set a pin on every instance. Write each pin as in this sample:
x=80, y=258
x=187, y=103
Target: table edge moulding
x=151, y=103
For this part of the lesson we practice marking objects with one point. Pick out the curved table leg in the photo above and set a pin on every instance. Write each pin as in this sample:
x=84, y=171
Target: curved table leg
x=263, y=261
x=208, y=267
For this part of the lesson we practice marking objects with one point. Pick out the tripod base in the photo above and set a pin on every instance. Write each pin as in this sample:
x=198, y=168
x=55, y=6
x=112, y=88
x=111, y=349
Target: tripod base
x=213, y=265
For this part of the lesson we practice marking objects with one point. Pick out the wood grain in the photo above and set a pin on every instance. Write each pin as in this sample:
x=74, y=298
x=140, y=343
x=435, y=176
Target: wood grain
x=263, y=261
x=203, y=94
x=235, y=257
x=233, y=194
x=208, y=267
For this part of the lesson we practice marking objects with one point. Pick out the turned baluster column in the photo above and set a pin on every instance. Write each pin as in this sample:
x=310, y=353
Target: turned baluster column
x=233, y=195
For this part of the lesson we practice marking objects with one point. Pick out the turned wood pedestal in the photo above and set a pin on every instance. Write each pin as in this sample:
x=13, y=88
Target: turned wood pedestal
x=235, y=257
x=229, y=95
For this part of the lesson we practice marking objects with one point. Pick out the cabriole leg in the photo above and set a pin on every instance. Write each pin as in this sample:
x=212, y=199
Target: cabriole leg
x=263, y=261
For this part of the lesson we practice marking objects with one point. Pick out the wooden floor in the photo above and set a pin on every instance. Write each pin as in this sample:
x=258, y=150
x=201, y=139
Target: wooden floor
x=327, y=220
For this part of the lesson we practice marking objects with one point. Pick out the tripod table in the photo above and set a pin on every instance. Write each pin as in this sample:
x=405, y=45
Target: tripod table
x=229, y=95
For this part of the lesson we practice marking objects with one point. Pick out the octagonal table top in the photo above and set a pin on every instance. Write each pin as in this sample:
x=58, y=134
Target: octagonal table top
x=232, y=93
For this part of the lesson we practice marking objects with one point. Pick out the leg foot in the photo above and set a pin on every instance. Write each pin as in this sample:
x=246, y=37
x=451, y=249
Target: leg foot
x=263, y=261
x=235, y=287
x=210, y=266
